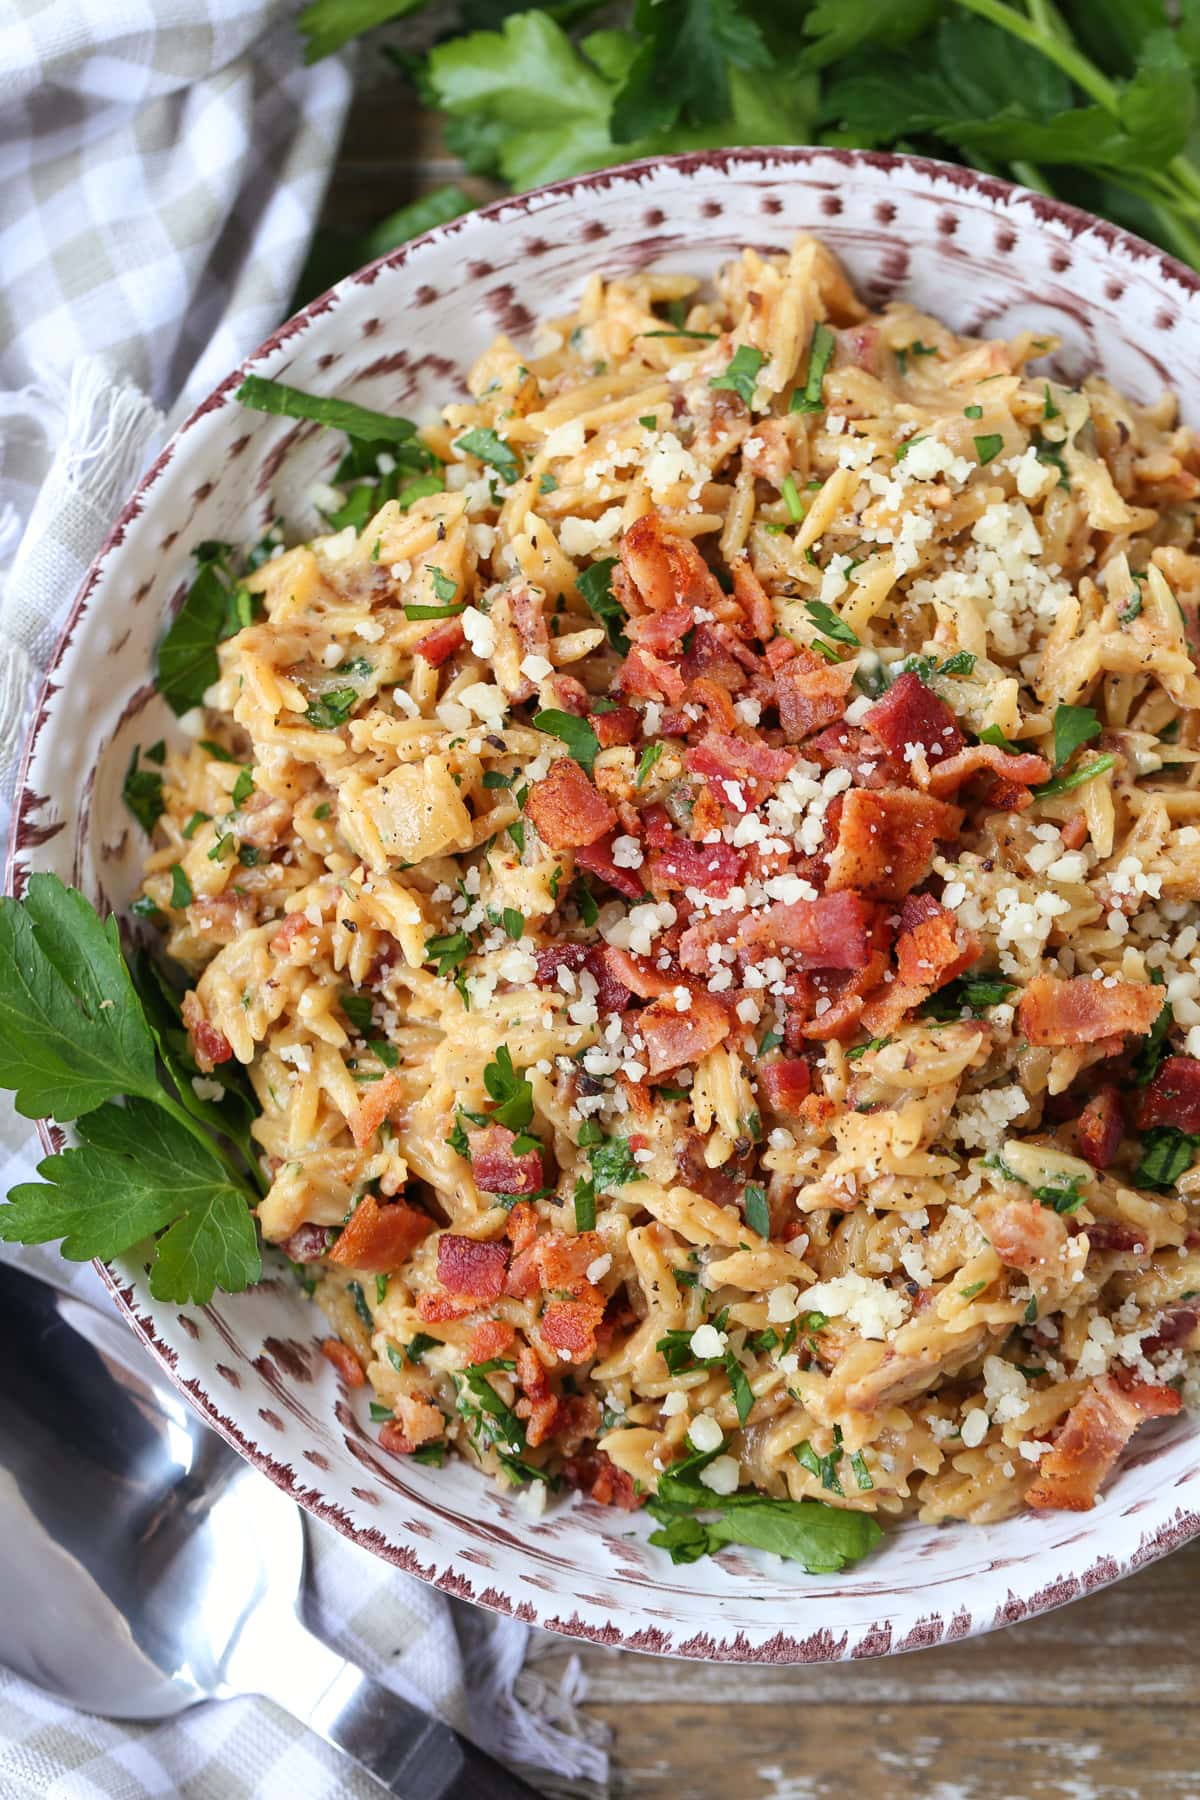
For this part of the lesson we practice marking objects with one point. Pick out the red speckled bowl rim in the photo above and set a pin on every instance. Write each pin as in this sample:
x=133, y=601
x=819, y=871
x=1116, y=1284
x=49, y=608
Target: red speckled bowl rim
x=820, y=1646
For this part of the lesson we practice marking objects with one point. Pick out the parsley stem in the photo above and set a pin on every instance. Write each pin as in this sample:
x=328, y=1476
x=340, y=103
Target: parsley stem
x=1042, y=36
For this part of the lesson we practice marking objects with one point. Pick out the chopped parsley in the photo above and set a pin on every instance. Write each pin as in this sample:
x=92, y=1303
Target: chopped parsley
x=742, y=372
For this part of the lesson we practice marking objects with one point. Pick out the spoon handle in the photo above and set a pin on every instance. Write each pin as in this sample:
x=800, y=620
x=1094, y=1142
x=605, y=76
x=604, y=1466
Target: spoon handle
x=415, y=1756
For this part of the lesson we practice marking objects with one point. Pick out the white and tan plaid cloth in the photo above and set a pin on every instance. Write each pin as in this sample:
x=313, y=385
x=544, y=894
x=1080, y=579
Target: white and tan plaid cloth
x=161, y=166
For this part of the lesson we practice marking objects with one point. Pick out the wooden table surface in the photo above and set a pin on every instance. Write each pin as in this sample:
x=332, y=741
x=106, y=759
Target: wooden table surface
x=1097, y=1701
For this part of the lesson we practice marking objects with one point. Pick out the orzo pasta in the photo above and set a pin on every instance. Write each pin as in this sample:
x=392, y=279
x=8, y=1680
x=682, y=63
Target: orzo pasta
x=706, y=893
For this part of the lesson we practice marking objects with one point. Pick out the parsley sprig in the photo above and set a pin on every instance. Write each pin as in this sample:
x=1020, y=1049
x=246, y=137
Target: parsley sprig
x=79, y=1044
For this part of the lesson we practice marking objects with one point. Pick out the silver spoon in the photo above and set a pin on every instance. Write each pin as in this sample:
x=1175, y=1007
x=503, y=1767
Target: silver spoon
x=145, y=1567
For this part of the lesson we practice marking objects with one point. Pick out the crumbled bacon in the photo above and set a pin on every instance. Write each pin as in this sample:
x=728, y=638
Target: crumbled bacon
x=378, y=1238
x=440, y=643
x=662, y=632
x=597, y=859
x=1106, y=1235
x=1022, y=770
x=291, y=926
x=810, y=693
x=752, y=597
x=674, y=1038
x=1100, y=1126
x=496, y=1169
x=342, y=1357
x=716, y=654
x=747, y=769
x=886, y=838
x=785, y=1083
x=595, y=1474
x=850, y=747
x=1175, y=1326
x=713, y=868
x=470, y=1267
x=420, y=1422
x=716, y=701
x=612, y=995
x=931, y=947
x=1092, y=1437
x=1173, y=1097
x=491, y=1337
x=639, y=976
x=568, y=1327
x=211, y=1046
x=522, y=1226
x=910, y=713
x=564, y=1259
x=664, y=568
x=1083, y=1011
x=831, y=932
x=1025, y=1235
x=620, y=726
x=308, y=1243
x=393, y=1440
x=649, y=677
x=566, y=809
x=380, y=1099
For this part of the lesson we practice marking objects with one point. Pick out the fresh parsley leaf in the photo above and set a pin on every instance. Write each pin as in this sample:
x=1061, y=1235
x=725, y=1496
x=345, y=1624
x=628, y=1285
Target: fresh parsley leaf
x=575, y=733
x=489, y=448
x=1065, y=1196
x=862, y=1473
x=758, y=1216
x=359, y=422
x=512, y=1092
x=448, y=951
x=823, y=1467
x=743, y=1393
x=820, y=353
x=585, y=1205
x=827, y=620
x=243, y=787
x=143, y=793
x=186, y=664
x=1063, y=784
x=595, y=587
x=443, y=586
x=861, y=1050
x=771, y=1040
x=329, y=711
x=514, y=923
x=1154, y=1046
x=742, y=372
x=972, y=412
x=181, y=888
x=1073, y=726
x=992, y=734
x=492, y=1424
x=1167, y=1153
x=791, y=499
x=708, y=337
x=359, y=1009
x=613, y=1165
x=821, y=1538
x=413, y=612
x=988, y=447
x=589, y=910
x=972, y=994
x=680, y=71
x=646, y=762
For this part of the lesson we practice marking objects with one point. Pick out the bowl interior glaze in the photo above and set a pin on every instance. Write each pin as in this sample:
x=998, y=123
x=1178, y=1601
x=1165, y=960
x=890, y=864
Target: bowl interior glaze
x=400, y=335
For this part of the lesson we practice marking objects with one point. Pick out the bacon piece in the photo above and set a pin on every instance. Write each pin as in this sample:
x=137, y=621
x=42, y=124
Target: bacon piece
x=1112, y=1235
x=597, y=859
x=612, y=994
x=713, y=868
x=393, y=1440
x=1022, y=770
x=831, y=932
x=784, y=1084
x=695, y=942
x=717, y=655
x=491, y=1337
x=496, y=1169
x=568, y=1327
x=342, y=1357
x=566, y=809
x=440, y=643
x=662, y=632
x=932, y=948
x=1092, y=1437
x=639, y=976
x=722, y=1185
x=650, y=678
x=444, y=1309
x=850, y=747
x=886, y=838
x=420, y=1422
x=810, y=693
x=292, y=925
x=752, y=597
x=675, y=1038
x=1173, y=1097
x=620, y=726
x=595, y=1474
x=1176, y=1326
x=1100, y=1126
x=308, y=1243
x=523, y=1279
x=471, y=1267
x=741, y=765
x=1025, y=1235
x=522, y=1226
x=211, y=1046
x=1083, y=1011
x=716, y=701
x=664, y=569
x=380, y=1099
x=911, y=713
x=379, y=1238
x=564, y=1260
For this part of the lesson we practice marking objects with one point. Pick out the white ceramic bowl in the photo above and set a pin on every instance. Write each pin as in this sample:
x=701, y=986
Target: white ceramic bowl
x=400, y=335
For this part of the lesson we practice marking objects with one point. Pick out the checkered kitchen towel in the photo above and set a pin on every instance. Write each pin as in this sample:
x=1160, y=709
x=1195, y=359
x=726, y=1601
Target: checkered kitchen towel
x=161, y=166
